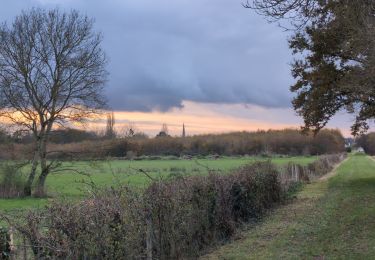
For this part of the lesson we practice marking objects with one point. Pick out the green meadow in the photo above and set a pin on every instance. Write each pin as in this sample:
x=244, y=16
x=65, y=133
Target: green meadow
x=74, y=179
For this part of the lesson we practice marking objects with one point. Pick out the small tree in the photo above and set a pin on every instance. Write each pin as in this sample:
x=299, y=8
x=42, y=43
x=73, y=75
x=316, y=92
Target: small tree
x=110, y=132
x=183, y=131
x=164, y=128
x=130, y=130
x=52, y=70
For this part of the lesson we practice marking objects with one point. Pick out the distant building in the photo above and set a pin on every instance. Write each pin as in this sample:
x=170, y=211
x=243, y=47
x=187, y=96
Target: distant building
x=162, y=134
x=360, y=150
x=349, y=142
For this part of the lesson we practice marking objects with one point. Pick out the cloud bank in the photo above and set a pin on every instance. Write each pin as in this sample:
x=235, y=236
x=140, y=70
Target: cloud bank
x=162, y=52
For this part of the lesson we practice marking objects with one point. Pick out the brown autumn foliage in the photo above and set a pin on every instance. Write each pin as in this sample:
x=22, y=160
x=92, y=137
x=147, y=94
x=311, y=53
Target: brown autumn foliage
x=14, y=151
x=285, y=142
x=282, y=142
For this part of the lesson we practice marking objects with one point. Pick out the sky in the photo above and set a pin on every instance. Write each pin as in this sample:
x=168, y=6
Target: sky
x=213, y=65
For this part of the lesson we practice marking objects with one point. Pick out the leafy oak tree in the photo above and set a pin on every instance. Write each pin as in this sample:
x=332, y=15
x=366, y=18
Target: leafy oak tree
x=335, y=68
x=52, y=71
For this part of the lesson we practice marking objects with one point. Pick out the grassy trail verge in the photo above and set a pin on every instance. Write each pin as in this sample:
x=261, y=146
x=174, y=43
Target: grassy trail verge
x=330, y=219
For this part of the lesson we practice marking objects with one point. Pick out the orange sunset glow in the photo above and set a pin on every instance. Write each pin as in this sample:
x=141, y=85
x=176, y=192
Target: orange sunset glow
x=201, y=118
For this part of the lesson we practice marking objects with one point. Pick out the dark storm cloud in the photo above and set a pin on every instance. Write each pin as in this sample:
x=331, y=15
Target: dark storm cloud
x=162, y=52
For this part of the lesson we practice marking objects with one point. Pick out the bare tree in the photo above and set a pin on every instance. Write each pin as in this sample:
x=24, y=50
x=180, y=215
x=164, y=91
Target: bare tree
x=130, y=130
x=164, y=128
x=110, y=128
x=282, y=9
x=52, y=70
x=183, y=130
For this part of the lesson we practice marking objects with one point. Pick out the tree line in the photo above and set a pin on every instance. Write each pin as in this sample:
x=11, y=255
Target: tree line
x=271, y=142
x=367, y=142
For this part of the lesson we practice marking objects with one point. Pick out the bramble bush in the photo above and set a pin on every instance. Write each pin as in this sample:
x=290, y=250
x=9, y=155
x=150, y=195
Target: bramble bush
x=183, y=217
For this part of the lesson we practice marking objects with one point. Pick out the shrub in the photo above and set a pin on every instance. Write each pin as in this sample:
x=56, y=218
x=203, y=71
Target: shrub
x=5, y=249
x=130, y=155
x=12, y=182
x=182, y=217
x=109, y=226
x=189, y=214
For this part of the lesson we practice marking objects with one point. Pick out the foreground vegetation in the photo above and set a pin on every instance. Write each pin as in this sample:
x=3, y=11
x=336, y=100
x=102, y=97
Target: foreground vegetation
x=70, y=183
x=331, y=219
x=174, y=218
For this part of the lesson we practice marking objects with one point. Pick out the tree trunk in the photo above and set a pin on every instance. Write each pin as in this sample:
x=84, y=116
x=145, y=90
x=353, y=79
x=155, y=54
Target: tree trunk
x=41, y=183
x=30, y=180
x=43, y=167
x=43, y=161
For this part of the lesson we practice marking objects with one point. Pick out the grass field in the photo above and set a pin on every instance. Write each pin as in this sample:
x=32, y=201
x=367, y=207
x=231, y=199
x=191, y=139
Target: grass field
x=70, y=184
x=332, y=219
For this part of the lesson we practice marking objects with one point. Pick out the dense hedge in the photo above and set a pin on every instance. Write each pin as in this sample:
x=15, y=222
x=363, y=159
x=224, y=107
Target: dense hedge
x=172, y=219
x=190, y=214
x=367, y=142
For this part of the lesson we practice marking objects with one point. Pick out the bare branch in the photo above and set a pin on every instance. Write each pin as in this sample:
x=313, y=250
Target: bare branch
x=52, y=70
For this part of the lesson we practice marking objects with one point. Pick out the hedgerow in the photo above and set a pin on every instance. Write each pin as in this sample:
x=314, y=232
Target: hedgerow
x=177, y=218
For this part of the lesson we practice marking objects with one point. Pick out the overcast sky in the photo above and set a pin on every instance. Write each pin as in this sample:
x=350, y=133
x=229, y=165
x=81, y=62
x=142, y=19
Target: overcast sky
x=164, y=54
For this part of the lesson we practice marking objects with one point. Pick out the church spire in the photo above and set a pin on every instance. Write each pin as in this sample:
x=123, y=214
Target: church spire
x=183, y=130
